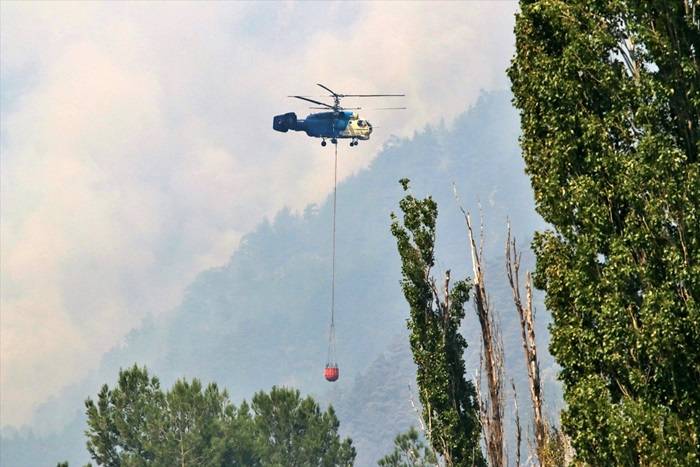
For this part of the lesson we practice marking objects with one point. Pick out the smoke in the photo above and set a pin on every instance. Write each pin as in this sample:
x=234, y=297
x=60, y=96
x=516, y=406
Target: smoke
x=137, y=147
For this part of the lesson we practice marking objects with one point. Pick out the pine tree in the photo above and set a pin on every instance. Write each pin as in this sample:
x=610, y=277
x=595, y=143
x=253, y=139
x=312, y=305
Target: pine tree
x=137, y=424
x=609, y=94
x=291, y=431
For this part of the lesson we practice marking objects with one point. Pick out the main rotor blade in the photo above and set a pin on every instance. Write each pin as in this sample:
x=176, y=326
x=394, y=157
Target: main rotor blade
x=329, y=90
x=314, y=102
x=374, y=95
x=340, y=109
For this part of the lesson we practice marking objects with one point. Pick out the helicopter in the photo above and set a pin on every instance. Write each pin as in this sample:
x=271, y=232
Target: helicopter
x=337, y=122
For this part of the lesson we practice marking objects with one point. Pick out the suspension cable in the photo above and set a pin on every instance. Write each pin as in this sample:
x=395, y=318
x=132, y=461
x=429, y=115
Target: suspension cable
x=331, y=334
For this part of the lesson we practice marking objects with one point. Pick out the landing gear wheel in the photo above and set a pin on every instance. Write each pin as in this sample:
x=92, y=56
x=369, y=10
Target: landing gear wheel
x=323, y=143
x=334, y=141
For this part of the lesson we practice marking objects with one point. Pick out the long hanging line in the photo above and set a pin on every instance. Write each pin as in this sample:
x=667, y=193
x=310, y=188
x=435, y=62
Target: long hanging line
x=331, y=334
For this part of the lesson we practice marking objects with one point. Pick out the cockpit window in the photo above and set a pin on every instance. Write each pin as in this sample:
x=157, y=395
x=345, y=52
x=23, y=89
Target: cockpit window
x=361, y=123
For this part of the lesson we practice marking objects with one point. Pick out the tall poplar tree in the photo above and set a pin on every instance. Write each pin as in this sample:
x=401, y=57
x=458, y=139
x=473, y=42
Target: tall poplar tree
x=609, y=95
x=450, y=407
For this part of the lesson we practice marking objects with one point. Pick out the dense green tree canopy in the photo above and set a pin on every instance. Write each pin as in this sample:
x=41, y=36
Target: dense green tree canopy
x=609, y=94
x=291, y=431
x=138, y=424
x=449, y=400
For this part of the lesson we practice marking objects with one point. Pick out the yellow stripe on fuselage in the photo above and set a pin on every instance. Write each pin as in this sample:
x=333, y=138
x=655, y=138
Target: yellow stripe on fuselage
x=354, y=130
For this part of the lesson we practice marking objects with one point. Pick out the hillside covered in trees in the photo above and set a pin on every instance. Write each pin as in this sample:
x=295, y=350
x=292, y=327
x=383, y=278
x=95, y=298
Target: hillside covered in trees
x=276, y=286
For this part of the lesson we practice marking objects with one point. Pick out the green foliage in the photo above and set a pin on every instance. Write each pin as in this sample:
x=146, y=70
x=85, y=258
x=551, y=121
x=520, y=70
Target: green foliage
x=609, y=94
x=556, y=448
x=291, y=431
x=409, y=451
x=137, y=424
x=448, y=399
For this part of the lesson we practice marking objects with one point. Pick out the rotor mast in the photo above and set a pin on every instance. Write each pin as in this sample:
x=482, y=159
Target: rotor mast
x=335, y=95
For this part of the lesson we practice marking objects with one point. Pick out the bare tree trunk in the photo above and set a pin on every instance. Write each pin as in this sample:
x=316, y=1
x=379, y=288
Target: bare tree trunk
x=527, y=331
x=492, y=360
x=518, y=430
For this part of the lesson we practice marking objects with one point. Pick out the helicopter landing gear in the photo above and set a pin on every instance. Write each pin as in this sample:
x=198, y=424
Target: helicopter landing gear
x=353, y=143
x=334, y=141
x=323, y=143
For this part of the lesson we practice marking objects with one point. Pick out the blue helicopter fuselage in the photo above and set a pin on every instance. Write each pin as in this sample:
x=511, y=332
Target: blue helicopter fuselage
x=325, y=124
x=341, y=124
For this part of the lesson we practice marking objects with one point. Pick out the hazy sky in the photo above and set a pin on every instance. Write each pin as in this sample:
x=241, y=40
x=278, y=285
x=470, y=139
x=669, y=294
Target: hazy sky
x=137, y=148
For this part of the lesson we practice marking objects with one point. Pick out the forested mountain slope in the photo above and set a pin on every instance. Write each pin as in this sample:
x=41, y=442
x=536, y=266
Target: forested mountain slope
x=262, y=317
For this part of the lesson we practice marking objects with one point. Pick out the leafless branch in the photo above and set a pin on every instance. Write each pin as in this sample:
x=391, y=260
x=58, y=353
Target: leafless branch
x=518, y=430
x=527, y=333
x=418, y=415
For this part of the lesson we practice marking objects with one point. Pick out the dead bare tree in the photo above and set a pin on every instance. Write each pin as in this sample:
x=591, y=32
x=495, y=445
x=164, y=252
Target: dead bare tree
x=492, y=407
x=527, y=330
x=552, y=447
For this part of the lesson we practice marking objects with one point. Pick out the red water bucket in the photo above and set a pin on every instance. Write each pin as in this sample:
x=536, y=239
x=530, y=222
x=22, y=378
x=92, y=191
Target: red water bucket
x=331, y=373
